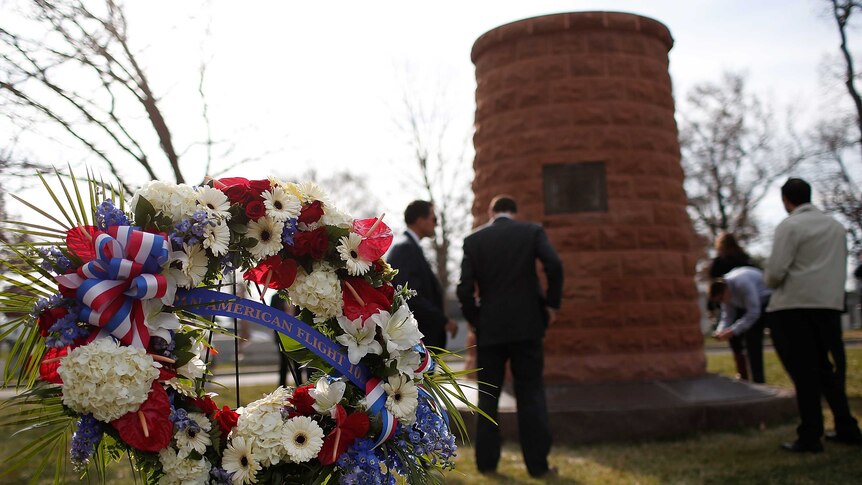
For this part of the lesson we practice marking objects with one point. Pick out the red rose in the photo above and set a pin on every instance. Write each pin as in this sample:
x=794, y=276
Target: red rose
x=259, y=185
x=50, y=317
x=48, y=370
x=313, y=243
x=274, y=272
x=311, y=213
x=255, y=210
x=302, y=400
x=238, y=194
x=226, y=419
x=206, y=404
x=375, y=299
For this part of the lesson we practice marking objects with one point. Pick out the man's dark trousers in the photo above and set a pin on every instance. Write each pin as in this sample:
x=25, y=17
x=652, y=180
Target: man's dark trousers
x=805, y=340
x=527, y=362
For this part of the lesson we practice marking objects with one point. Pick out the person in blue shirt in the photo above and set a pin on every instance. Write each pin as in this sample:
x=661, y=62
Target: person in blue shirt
x=743, y=296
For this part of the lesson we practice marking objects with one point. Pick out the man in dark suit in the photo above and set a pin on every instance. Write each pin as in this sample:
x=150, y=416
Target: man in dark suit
x=502, y=298
x=413, y=270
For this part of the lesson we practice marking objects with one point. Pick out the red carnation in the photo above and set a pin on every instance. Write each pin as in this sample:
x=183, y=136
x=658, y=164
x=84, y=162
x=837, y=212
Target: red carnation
x=313, y=243
x=311, y=213
x=347, y=430
x=48, y=370
x=159, y=429
x=373, y=299
x=302, y=400
x=274, y=272
x=49, y=317
x=226, y=419
x=206, y=404
x=255, y=209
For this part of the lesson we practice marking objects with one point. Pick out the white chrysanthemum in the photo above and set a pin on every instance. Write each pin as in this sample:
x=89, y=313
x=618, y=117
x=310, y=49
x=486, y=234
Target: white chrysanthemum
x=358, y=338
x=180, y=470
x=402, y=398
x=400, y=331
x=327, y=394
x=406, y=361
x=310, y=191
x=217, y=238
x=239, y=461
x=195, y=439
x=105, y=379
x=333, y=216
x=319, y=292
x=303, y=438
x=175, y=201
x=214, y=201
x=268, y=234
x=280, y=205
x=263, y=422
x=348, y=249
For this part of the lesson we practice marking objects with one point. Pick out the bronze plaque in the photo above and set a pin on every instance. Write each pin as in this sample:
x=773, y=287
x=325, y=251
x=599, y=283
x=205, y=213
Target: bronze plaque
x=575, y=187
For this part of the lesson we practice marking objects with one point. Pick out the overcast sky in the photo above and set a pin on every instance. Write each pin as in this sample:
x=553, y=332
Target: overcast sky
x=319, y=81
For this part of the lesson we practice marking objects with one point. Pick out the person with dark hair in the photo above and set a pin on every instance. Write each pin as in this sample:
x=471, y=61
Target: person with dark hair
x=502, y=298
x=414, y=271
x=807, y=270
x=728, y=256
x=742, y=296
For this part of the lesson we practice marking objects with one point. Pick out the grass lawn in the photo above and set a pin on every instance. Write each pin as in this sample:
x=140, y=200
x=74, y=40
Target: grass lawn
x=743, y=457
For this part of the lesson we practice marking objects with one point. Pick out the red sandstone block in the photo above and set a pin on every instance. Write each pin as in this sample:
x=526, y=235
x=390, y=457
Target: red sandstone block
x=583, y=290
x=649, y=188
x=618, y=290
x=595, y=315
x=640, y=90
x=632, y=44
x=666, y=214
x=679, y=239
x=593, y=264
x=548, y=24
x=659, y=31
x=642, y=314
x=659, y=289
x=610, y=90
x=625, y=113
x=690, y=263
x=550, y=117
x=602, y=42
x=504, y=100
x=588, y=65
x=622, y=22
x=672, y=263
x=633, y=212
x=642, y=264
x=510, y=123
x=655, y=48
x=516, y=76
x=681, y=313
x=617, y=237
x=512, y=32
x=588, y=114
x=652, y=69
x=652, y=238
x=550, y=68
x=532, y=95
x=532, y=46
x=685, y=289
x=622, y=66
x=619, y=186
x=628, y=341
x=581, y=21
x=570, y=91
x=565, y=43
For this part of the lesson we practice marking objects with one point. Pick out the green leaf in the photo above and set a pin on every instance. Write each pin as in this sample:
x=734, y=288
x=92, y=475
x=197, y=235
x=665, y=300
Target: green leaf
x=248, y=242
x=145, y=213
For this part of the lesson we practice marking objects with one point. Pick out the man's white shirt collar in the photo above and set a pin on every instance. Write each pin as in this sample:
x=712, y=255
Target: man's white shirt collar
x=414, y=236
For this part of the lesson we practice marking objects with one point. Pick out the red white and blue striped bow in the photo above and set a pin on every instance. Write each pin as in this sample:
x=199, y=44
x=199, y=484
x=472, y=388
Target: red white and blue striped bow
x=375, y=396
x=111, y=287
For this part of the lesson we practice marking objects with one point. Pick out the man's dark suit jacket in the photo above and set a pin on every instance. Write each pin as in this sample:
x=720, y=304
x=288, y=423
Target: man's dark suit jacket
x=413, y=270
x=500, y=260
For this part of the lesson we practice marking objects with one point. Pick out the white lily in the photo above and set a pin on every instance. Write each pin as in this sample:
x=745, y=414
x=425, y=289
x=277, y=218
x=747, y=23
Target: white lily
x=358, y=337
x=400, y=331
x=327, y=394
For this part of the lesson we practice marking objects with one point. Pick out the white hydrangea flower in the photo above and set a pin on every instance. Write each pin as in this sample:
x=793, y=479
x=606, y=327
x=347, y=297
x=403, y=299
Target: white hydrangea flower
x=327, y=394
x=180, y=470
x=333, y=216
x=175, y=201
x=303, y=438
x=359, y=338
x=402, y=398
x=262, y=422
x=310, y=191
x=105, y=379
x=319, y=292
x=400, y=331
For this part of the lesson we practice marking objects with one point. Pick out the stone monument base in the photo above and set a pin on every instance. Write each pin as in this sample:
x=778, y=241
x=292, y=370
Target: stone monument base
x=636, y=411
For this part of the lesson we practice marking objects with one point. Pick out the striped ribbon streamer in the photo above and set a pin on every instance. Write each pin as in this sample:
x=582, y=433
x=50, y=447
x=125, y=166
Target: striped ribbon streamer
x=375, y=395
x=112, y=287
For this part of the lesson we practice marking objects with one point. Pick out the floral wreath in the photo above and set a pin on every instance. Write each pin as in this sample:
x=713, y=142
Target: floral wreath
x=114, y=341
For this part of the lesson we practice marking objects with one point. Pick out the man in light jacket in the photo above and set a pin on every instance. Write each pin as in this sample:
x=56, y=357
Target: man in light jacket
x=807, y=270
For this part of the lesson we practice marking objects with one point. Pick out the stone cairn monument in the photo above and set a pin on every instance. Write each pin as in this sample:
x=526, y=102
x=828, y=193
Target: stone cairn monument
x=575, y=119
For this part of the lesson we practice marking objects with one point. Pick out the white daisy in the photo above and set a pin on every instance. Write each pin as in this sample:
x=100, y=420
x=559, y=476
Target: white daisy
x=303, y=438
x=217, y=238
x=348, y=249
x=214, y=202
x=280, y=205
x=195, y=437
x=268, y=234
x=400, y=331
x=310, y=192
x=327, y=394
x=358, y=337
x=239, y=461
x=402, y=398
x=195, y=267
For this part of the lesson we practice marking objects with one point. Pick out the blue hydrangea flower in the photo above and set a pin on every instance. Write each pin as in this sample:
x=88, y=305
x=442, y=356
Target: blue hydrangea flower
x=108, y=215
x=87, y=436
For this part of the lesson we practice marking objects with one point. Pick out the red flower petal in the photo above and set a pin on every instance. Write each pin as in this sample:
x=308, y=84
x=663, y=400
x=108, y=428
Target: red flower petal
x=274, y=272
x=48, y=371
x=374, y=244
x=226, y=182
x=347, y=430
x=81, y=241
x=374, y=299
x=156, y=410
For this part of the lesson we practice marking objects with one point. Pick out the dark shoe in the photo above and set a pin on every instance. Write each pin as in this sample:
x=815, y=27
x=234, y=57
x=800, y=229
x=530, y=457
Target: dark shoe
x=489, y=473
x=834, y=437
x=799, y=447
x=551, y=472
